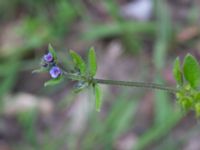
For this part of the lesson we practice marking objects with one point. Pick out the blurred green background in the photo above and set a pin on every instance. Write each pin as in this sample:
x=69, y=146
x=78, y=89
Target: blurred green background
x=134, y=40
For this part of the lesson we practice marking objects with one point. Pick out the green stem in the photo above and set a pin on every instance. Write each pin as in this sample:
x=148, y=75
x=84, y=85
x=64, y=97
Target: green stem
x=137, y=84
x=124, y=83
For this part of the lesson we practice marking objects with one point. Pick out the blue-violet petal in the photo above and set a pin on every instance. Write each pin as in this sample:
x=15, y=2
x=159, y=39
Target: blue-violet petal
x=55, y=72
x=48, y=57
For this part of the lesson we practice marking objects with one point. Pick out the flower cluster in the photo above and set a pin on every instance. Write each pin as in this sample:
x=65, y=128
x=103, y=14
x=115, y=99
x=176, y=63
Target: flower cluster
x=81, y=73
x=49, y=62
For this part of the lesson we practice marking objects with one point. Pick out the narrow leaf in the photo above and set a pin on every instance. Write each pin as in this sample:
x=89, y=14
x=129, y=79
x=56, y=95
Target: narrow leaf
x=92, y=64
x=53, y=81
x=53, y=52
x=177, y=72
x=39, y=70
x=78, y=62
x=98, y=97
x=191, y=70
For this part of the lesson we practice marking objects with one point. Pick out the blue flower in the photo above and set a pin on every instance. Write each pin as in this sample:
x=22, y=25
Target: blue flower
x=55, y=72
x=48, y=57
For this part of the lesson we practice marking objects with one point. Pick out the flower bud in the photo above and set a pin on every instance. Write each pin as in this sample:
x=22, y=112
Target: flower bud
x=48, y=57
x=55, y=72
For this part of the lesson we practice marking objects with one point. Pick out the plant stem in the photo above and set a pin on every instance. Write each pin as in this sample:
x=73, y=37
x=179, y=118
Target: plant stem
x=125, y=83
x=137, y=84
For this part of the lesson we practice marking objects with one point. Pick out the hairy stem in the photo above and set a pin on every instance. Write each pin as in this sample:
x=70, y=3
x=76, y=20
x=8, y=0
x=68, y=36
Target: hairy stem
x=124, y=83
x=137, y=84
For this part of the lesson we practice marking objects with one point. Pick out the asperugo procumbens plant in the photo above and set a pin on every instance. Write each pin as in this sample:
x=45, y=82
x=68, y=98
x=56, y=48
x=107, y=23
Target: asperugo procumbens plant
x=187, y=78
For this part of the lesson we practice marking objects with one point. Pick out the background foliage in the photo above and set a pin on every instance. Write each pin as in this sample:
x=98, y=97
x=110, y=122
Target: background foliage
x=128, y=48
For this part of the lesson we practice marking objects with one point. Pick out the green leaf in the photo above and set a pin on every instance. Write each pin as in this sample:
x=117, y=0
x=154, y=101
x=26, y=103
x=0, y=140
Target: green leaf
x=39, y=70
x=54, y=81
x=98, y=97
x=78, y=62
x=53, y=52
x=177, y=72
x=191, y=70
x=92, y=64
x=197, y=109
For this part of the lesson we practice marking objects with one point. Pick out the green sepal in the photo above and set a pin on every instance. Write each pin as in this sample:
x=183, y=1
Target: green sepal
x=53, y=52
x=55, y=81
x=186, y=103
x=92, y=64
x=177, y=72
x=78, y=62
x=191, y=70
x=80, y=86
x=42, y=69
x=98, y=97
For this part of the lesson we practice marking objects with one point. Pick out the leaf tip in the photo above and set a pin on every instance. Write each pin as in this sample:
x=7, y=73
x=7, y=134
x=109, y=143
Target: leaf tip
x=50, y=46
x=71, y=51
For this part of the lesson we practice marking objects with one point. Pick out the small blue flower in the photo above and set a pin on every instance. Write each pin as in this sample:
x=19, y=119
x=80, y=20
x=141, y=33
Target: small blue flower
x=55, y=72
x=48, y=57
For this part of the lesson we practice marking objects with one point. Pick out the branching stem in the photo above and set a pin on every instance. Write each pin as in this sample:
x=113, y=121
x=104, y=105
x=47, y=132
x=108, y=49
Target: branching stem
x=124, y=83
